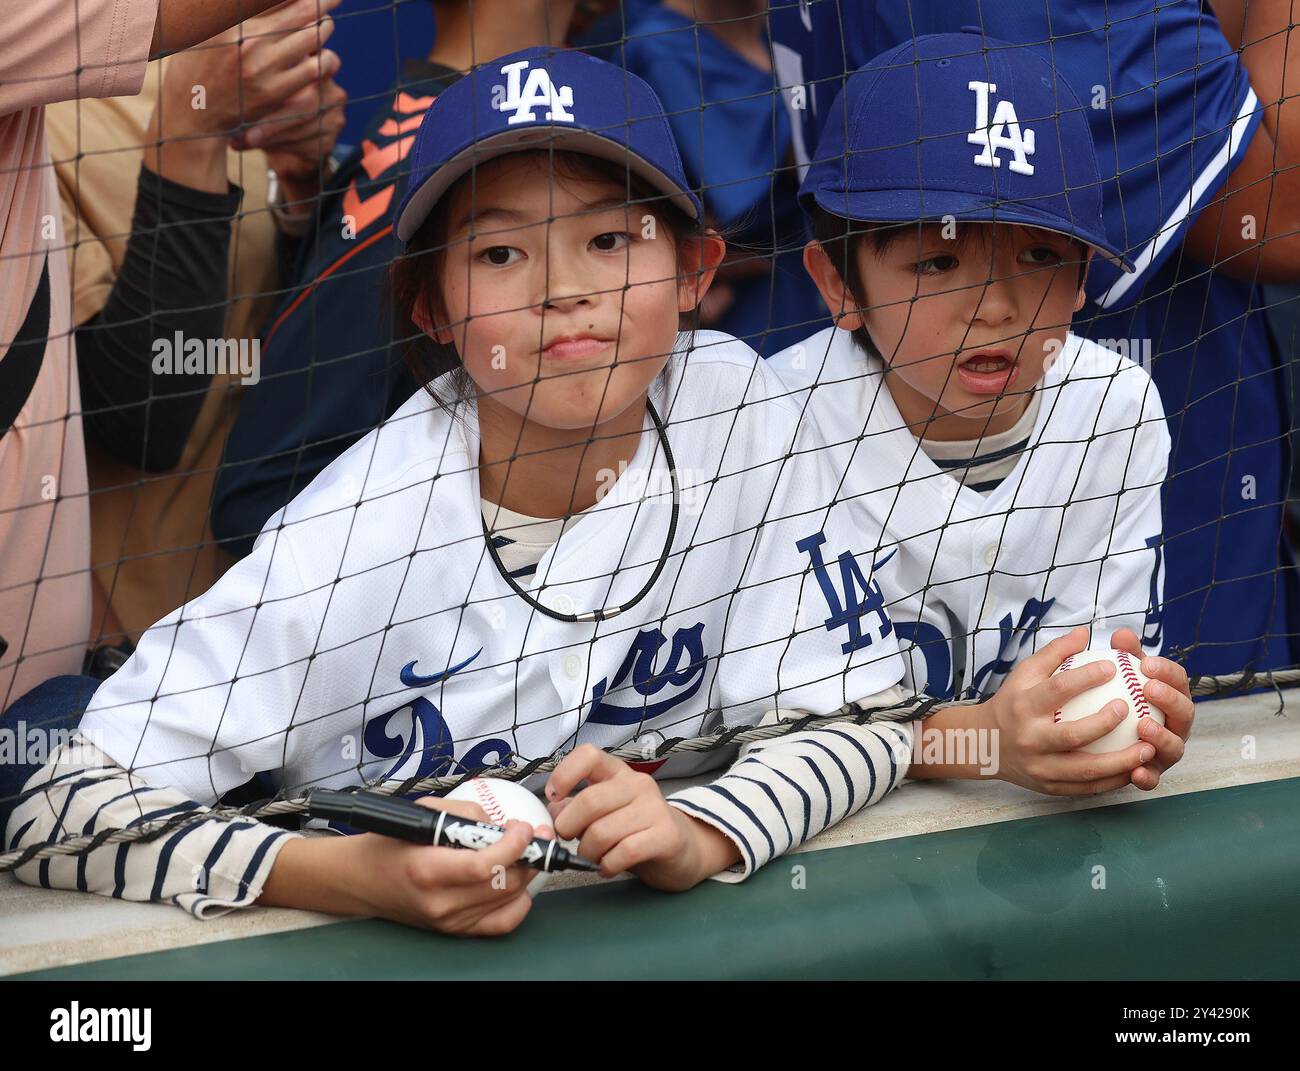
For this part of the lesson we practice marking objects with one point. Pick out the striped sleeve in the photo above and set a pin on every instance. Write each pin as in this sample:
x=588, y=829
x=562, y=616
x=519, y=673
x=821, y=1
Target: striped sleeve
x=782, y=792
x=205, y=867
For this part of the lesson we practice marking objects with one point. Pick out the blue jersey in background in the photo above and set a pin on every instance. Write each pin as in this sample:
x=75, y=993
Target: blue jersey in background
x=735, y=138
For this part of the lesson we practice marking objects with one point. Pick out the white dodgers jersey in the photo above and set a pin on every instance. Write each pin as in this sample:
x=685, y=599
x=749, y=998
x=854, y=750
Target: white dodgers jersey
x=973, y=582
x=369, y=635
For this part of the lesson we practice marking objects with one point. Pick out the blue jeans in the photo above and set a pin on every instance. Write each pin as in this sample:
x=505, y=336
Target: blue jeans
x=27, y=728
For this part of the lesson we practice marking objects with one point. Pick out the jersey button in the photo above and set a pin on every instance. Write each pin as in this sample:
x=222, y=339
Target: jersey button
x=562, y=604
x=990, y=554
x=572, y=666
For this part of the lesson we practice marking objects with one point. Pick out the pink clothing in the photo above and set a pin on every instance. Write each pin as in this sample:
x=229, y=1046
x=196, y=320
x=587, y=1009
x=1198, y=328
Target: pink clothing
x=50, y=50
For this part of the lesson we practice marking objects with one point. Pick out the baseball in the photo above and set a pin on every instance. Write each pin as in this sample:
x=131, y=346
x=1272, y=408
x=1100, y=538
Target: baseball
x=1125, y=686
x=502, y=800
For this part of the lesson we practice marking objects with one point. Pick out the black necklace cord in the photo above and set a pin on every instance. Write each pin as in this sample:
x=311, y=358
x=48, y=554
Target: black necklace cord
x=604, y=614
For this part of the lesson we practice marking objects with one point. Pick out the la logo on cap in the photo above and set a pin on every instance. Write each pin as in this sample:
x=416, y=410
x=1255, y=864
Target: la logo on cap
x=1003, y=133
x=521, y=97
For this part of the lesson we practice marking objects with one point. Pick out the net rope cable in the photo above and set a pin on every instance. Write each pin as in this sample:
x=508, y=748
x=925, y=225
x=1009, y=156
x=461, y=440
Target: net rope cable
x=1206, y=687
x=756, y=240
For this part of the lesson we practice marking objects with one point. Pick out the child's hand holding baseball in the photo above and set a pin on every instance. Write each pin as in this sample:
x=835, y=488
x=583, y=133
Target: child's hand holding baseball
x=451, y=890
x=1037, y=752
x=623, y=822
x=1167, y=689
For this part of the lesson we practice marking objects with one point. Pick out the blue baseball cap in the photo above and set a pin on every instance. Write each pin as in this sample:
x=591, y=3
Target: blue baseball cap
x=960, y=125
x=541, y=98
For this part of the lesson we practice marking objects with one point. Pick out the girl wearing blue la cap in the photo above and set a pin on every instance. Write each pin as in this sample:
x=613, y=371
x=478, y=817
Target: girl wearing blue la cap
x=1014, y=468
x=588, y=530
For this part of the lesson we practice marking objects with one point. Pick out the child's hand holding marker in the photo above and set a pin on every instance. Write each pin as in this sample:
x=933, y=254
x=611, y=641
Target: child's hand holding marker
x=410, y=866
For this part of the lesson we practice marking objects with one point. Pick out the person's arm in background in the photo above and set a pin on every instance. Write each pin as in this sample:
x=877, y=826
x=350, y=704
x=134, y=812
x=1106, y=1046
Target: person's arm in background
x=173, y=277
x=184, y=23
x=1265, y=184
x=41, y=45
x=299, y=134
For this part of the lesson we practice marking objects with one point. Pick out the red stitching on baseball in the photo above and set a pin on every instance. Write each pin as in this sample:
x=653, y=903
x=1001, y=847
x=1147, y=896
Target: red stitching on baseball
x=1067, y=664
x=1131, y=681
x=489, y=801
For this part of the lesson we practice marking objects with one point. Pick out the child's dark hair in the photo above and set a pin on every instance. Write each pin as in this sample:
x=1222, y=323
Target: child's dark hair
x=838, y=237
x=413, y=275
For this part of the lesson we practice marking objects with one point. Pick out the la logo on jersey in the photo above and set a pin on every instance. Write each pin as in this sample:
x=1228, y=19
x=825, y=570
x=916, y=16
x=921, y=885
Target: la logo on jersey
x=521, y=96
x=861, y=610
x=1003, y=133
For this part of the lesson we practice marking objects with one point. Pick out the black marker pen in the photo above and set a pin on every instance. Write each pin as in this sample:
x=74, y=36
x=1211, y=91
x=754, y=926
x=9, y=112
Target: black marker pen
x=396, y=817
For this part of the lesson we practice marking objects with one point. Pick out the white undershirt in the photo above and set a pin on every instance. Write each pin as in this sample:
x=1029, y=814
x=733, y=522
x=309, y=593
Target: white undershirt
x=521, y=541
x=981, y=464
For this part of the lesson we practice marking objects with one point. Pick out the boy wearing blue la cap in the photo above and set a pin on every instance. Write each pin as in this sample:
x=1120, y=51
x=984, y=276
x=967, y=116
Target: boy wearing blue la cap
x=1188, y=155
x=588, y=531
x=1014, y=468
